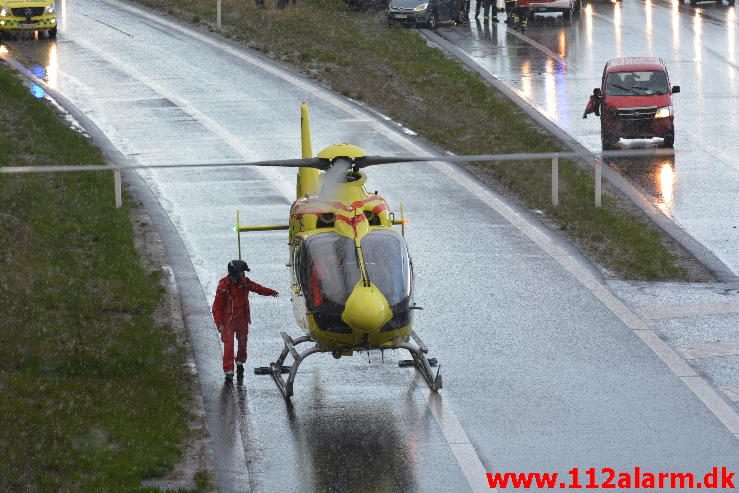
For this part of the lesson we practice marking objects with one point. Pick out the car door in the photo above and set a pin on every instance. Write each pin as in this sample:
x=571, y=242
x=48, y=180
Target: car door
x=443, y=10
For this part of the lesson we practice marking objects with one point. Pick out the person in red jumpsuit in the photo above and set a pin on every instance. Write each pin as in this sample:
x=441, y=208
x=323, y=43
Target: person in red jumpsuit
x=231, y=314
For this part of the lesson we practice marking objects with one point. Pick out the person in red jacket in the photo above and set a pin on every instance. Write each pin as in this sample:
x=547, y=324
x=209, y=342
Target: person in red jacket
x=231, y=314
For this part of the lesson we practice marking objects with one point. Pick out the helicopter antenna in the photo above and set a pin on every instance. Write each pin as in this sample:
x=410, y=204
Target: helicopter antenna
x=402, y=221
x=238, y=232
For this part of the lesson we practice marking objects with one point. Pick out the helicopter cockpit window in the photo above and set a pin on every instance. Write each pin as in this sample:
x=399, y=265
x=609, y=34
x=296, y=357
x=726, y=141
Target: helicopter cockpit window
x=330, y=271
x=387, y=264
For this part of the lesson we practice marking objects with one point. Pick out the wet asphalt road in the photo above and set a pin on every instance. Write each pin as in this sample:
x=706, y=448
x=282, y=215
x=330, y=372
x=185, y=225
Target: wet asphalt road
x=539, y=373
x=555, y=65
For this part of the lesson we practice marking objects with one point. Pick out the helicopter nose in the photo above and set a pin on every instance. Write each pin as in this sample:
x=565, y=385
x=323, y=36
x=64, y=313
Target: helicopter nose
x=367, y=309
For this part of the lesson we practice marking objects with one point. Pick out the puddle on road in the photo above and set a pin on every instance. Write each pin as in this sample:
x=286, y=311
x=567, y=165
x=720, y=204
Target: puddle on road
x=41, y=59
x=654, y=175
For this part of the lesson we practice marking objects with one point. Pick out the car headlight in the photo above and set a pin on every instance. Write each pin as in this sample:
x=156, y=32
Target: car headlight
x=3, y=12
x=664, y=112
x=50, y=9
x=421, y=7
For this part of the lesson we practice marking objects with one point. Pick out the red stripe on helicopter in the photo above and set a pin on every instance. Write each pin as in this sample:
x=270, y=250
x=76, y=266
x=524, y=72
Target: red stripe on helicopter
x=353, y=221
x=354, y=205
x=376, y=209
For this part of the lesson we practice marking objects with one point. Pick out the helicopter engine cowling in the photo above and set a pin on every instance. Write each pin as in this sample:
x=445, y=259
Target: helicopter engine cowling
x=367, y=309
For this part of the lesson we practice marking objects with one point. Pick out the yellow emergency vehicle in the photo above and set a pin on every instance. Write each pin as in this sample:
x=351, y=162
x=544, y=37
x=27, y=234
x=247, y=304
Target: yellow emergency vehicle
x=28, y=16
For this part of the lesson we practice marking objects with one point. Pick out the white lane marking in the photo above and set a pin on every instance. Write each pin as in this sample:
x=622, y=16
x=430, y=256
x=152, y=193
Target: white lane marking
x=458, y=441
x=286, y=188
x=542, y=48
x=282, y=73
x=689, y=310
x=700, y=350
x=678, y=366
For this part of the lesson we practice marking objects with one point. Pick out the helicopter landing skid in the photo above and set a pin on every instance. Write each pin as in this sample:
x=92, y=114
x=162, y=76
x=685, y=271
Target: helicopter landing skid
x=276, y=368
x=421, y=362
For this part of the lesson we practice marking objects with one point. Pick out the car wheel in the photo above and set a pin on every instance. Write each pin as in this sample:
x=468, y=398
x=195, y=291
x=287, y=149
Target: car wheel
x=732, y=2
x=578, y=6
x=52, y=33
x=567, y=14
x=433, y=21
x=670, y=141
x=608, y=141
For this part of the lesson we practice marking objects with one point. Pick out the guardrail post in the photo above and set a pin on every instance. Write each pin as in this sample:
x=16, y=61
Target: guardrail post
x=117, y=185
x=555, y=180
x=218, y=14
x=598, y=174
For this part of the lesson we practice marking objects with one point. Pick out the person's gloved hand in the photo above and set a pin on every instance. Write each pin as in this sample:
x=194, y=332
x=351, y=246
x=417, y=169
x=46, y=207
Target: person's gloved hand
x=276, y=294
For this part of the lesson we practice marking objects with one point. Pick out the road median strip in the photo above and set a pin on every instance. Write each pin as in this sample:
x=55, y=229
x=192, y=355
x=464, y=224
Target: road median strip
x=98, y=394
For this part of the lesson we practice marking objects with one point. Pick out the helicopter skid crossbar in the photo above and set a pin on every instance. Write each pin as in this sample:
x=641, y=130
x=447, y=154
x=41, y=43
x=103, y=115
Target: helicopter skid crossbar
x=421, y=362
x=276, y=368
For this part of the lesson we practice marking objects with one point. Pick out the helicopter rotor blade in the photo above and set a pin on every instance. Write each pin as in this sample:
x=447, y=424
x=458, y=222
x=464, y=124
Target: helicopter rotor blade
x=315, y=162
x=366, y=161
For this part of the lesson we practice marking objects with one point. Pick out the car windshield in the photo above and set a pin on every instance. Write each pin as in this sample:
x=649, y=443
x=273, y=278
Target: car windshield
x=330, y=270
x=387, y=263
x=642, y=83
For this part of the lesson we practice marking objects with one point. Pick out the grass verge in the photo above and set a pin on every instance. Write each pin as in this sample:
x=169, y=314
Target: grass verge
x=88, y=399
x=396, y=72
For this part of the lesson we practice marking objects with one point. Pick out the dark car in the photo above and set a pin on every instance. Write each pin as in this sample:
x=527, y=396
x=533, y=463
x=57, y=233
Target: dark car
x=425, y=12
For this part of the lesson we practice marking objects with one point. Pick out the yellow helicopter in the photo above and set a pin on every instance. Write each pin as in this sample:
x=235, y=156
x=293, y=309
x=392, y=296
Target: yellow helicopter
x=351, y=273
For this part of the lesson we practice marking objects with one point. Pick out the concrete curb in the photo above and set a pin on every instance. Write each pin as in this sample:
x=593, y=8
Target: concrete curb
x=720, y=270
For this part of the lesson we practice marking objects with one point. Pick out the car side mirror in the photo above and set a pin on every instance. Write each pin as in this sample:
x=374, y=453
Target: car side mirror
x=675, y=89
x=596, y=92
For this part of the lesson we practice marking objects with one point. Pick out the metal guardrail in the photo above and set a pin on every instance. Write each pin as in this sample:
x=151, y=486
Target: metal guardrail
x=553, y=157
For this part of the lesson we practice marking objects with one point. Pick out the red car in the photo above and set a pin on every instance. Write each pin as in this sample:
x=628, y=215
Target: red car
x=634, y=101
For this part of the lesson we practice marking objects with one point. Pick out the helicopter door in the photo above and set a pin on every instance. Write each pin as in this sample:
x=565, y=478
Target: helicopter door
x=388, y=267
x=329, y=271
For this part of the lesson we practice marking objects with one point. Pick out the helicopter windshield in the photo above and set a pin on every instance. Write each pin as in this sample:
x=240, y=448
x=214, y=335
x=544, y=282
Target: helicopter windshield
x=332, y=271
x=387, y=264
